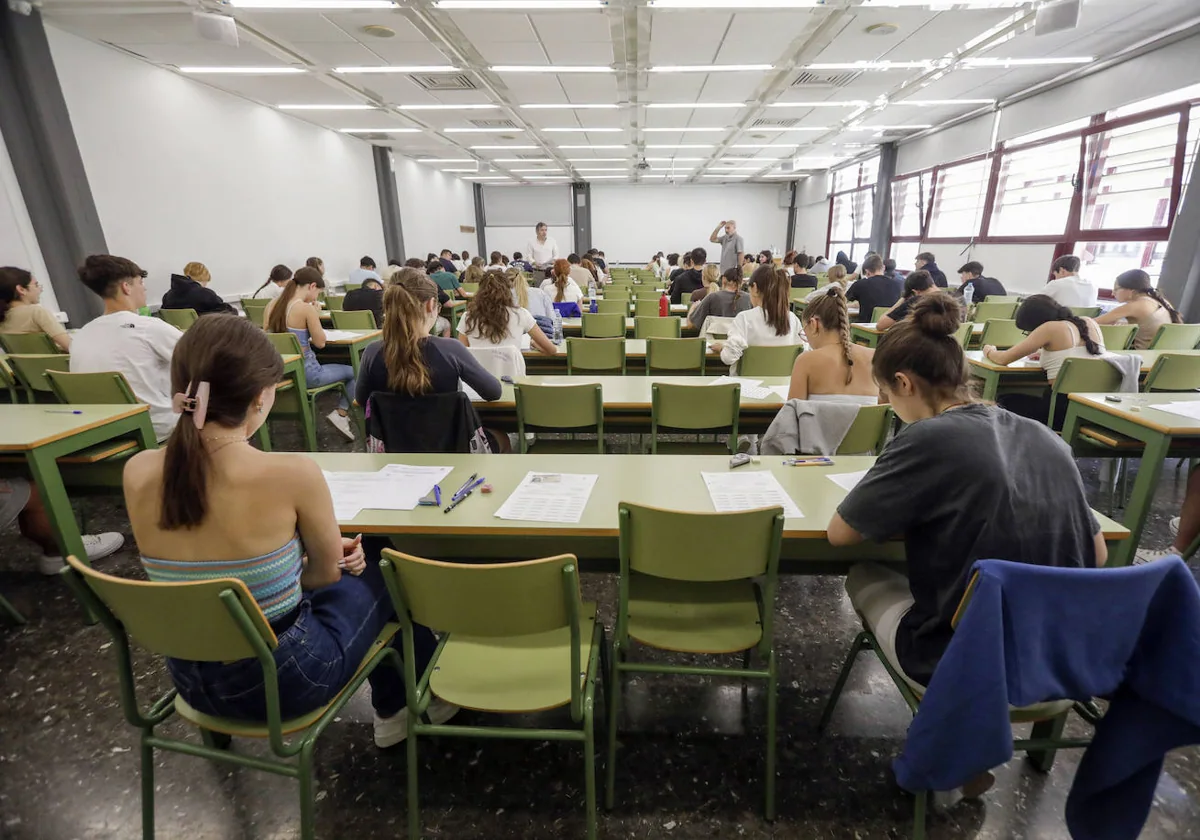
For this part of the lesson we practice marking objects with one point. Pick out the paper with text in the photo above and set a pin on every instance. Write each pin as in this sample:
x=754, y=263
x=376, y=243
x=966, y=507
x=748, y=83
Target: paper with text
x=395, y=487
x=549, y=497
x=733, y=491
x=341, y=335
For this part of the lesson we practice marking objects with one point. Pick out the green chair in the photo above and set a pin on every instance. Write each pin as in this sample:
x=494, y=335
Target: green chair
x=701, y=584
x=28, y=344
x=30, y=373
x=1001, y=334
x=180, y=319
x=596, y=355
x=989, y=311
x=305, y=405
x=334, y=302
x=256, y=310
x=469, y=288
x=515, y=638
x=868, y=433
x=709, y=409
x=769, y=361
x=596, y=325
x=351, y=287
x=210, y=621
x=646, y=308
x=1118, y=336
x=361, y=319
x=648, y=294
x=613, y=306
x=565, y=409
x=675, y=355
x=1176, y=337
x=656, y=327
x=8, y=382
x=878, y=312
x=963, y=334
x=1085, y=311
x=1079, y=375
x=91, y=388
x=1173, y=372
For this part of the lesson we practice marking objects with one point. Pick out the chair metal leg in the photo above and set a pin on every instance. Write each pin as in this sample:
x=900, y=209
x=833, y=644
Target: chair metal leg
x=589, y=771
x=1043, y=760
x=614, y=702
x=861, y=641
x=147, y=787
x=772, y=703
x=308, y=802
x=8, y=610
x=920, y=804
x=414, y=814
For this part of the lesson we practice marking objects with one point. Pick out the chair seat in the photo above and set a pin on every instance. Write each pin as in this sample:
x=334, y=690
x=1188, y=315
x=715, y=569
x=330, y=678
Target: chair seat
x=514, y=673
x=693, y=616
x=251, y=729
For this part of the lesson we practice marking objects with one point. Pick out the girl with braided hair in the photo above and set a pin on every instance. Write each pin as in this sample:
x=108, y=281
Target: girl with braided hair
x=1141, y=304
x=836, y=369
x=1059, y=335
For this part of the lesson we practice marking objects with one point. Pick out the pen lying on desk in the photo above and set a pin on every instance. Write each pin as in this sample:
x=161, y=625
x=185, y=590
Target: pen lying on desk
x=458, y=501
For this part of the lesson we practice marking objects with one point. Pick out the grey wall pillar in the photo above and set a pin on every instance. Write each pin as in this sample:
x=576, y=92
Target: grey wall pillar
x=480, y=221
x=389, y=203
x=41, y=142
x=881, y=221
x=581, y=202
x=1180, y=278
x=793, y=189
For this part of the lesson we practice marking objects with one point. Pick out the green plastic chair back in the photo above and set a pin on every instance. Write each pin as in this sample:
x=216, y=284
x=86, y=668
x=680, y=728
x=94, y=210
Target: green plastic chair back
x=1174, y=372
x=868, y=432
x=798, y=295
x=30, y=371
x=696, y=408
x=1118, y=336
x=286, y=343
x=108, y=388
x=878, y=312
x=596, y=355
x=647, y=294
x=28, y=344
x=990, y=311
x=469, y=288
x=596, y=325
x=1001, y=334
x=334, y=302
x=1083, y=375
x=180, y=319
x=656, y=327
x=555, y=408
x=352, y=287
x=256, y=310
x=1085, y=311
x=1176, y=337
x=613, y=306
x=963, y=334
x=361, y=319
x=1002, y=299
x=769, y=361
x=676, y=355
x=646, y=308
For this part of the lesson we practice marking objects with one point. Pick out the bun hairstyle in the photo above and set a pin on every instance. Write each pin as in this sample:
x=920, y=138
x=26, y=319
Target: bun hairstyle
x=1138, y=281
x=490, y=306
x=404, y=328
x=10, y=278
x=917, y=281
x=102, y=272
x=1036, y=310
x=562, y=273
x=923, y=346
x=772, y=284
x=304, y=277
x=237, y=362
x=833, y=312
x=279, y=274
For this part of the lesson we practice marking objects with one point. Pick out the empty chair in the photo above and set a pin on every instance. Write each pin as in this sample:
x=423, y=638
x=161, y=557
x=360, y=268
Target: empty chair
x=769, y=361
x=596, y=355
x=603, y=326
x=1118, y=336
x=334, y=302
x=963, y=334
x=1176, y=337
x=675, y=355
x=613, y=305
x=1001, y=334
x=255, y=309
x=179, y=318
x=656, y=327
x=570, y=409
x=646, y=308
x=868, y=433
x=359, y=319
x=1174, y=372
x=91, y=388
x=709, y=409
x=30, y=373
x=988, y=311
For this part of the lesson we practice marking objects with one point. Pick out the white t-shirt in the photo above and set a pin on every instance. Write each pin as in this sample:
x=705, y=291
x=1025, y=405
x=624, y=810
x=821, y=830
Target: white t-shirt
x=750, y=329
x=571, y=293
x=1072, y=290
x=542, y=253
x=539, y=303
x=519, y=323
x=140, y=349
x=268, y=292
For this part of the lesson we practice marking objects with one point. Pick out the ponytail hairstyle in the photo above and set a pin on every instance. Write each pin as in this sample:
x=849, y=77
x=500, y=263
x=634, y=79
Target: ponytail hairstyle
x=562, y=273
x=279, y=274
x=277, y=319
x=490, y=306
x=831, y=309
x=590, y=266
x=234, y=362
x=917, y=281
x=1136, y=281
x=923, y=346
x=711, y=277
x=1036, y=310
x=837, y=274
x=474, y=272
x=734, y=276
x=519, y=286
x=772, y=285
x=12, y=278
x=405, y=326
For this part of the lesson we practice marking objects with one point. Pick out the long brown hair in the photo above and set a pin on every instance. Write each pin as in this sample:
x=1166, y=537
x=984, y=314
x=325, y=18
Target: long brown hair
x=277, y=320
x=489, y=308
x=832, y=310
x=1138, y=282
x=562, y=273
x=1036, y=310
x=238, y=362
x=10, y=278
x=772, y=285
x=923, y=346
x=590, y=266
x=403, y=331
x=278, y=274
x=734, y=276
x=473, y=273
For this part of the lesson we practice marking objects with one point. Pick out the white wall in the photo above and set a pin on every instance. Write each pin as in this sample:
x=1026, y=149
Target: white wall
x=180, y=171
x=433, y=206
x=812, y=214
x=18, y=242
x=960, y=141
x=630, y=222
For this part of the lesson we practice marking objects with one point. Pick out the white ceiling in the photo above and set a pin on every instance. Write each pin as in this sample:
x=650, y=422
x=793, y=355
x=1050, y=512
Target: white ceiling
x=627, y=37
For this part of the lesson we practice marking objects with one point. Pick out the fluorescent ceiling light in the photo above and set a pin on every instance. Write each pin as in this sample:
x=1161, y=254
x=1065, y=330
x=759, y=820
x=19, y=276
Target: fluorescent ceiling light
x=696, y=105
x=453, y=169
x=928, y=102
x=978, y=63
x=870, y=65
x=679, y=145
x=543, y=171
x=710, y=68
x=483, y=130
x=509, y=148
x=599, y=168
x=445, y=160
x=240, y=71
x=313, y=4
x=731, y=4
x=566, y=106
x=387, y=68
x=595, y=160
x=519, y=4
x=667, y=130
x=474, y=107
x=326, y=107
x=675, y=160
x=577, y=130
x=380, y=130
x=791, y=128
x=849, y=103
x=552, y=68
x=887, y=127
x=762, y=146
x=611, y=146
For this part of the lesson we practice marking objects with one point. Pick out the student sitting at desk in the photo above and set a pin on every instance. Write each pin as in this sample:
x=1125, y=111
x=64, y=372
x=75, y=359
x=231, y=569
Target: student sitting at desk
x=275, y=283
x=367, y=298
x=190, y=291
x=1141, y=304
x=917, y=283
x=209, y=505
x=962, y=481
x=769, y=323
x=560, y=287
x=835, y=369
x=296, y=311
x=492, y=320
x=21, y=312
x=531, y=298
x=1059, y=335
x=725, y=303
x=836, y=275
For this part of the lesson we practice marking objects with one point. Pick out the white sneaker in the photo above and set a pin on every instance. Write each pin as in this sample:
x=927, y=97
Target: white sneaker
x=98, y=546
x=1173, y=526
x=392, y=730
x=1149, y=555
x=341, y=422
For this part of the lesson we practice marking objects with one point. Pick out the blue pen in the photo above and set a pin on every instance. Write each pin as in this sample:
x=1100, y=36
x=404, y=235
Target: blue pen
x=437, y=494
x=474, y=484
x=463, y=489
x=63, y=411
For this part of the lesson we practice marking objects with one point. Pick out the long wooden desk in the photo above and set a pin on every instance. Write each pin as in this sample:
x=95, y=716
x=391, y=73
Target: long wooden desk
x=348, y=349
x=471, y=532
x=867, y=335
x=1027, y=372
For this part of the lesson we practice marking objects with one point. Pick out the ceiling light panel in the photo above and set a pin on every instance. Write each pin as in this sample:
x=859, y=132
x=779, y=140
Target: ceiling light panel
x=579, y=130
x=711, y=68
x=690, y=105
x=241, y=71
x=380, y=130
x=478, y=106
x=313, y=5
x=685, y=128
x=412, y=68
x=551, y=68
x=572, y=106
x=605, y=146
x=483, y=130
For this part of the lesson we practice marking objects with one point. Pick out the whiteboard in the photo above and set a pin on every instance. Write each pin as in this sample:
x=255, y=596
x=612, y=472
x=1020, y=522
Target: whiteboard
x=526, y=206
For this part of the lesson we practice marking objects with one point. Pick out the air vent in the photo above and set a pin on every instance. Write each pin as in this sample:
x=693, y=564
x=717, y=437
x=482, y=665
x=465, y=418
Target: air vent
x=494, y=124
x=812, y=81
x=443, y=81
x=788, y=123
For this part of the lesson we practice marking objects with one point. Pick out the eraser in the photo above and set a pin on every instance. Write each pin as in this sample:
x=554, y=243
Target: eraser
x=487, y=488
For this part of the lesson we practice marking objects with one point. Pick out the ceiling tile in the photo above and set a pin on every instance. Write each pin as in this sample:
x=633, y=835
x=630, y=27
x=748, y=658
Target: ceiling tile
x=760, y=37
x=579, y=52
x=687, y=37
x=589, y=88
x=486, y=27
x=571, y=27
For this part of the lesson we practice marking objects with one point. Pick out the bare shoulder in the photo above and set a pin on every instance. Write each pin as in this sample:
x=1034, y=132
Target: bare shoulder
x=143, y=470
x=290, y=466
x=858, y=352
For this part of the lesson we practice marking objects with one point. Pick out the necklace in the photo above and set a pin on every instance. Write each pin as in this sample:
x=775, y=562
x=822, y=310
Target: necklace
x=229, y=440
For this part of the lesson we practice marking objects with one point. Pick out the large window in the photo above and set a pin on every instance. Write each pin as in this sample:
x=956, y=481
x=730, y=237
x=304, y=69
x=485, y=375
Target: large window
x=959, y=195
x=851, y=214
x=1105, y=260
x=1034, y=189
x=1130, y=171
x=910, y=202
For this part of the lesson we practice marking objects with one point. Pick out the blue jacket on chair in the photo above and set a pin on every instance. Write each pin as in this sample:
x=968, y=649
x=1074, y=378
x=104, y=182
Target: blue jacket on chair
x=1036, y=633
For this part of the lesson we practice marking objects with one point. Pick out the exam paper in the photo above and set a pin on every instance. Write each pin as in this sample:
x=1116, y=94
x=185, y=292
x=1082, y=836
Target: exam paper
x=847, y=481
x=750, y=387
x=341, y=335
x=781, y=390
x=395, y=487
x=549, y=497
x=1189, y=409
x=733, y=491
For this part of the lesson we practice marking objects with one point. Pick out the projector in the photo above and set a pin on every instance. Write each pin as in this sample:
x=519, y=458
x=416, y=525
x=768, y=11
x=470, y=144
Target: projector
x=641, y=165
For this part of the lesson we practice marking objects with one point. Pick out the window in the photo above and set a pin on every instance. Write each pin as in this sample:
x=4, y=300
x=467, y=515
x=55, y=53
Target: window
x=1129, y=177
x=1103, y=261
x=910, y=200
x=958, y=199
x=861, y=174
x=842, y=218
x=851, y=214
x=905, y=253
x=1034, y=190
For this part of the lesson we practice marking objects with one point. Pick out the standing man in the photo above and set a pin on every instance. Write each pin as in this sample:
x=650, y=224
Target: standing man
x=543, y=250
x=732, y=245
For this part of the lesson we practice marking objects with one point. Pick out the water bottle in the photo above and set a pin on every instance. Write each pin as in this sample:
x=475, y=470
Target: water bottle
x=144, y=310
x=968, y=293
x=558, y=331
x=592, y=296
x=664, y=306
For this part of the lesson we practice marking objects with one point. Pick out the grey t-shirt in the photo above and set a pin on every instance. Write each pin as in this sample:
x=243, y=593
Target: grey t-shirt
x=720, y=304
x=972, y=483
x=731, y=245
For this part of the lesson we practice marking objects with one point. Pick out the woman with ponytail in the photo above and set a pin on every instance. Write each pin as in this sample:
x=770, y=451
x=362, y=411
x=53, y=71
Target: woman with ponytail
x=770, y=321
x=836, y=369
x=21, y=311
x=1059, y=335
x=726, y=302
x=276, y=281
x=210, y=506
x=559, y=285
x=961, y=481
x=1141, y=304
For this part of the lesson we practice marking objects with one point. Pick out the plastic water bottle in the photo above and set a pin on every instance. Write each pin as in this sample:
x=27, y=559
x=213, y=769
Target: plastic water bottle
x=558, y=331
x=968, y=293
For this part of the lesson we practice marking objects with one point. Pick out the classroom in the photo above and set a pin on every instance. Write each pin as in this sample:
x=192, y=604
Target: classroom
x=665, y=419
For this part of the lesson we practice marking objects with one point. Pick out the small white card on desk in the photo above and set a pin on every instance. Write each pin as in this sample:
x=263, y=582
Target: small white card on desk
x=751, y=388
x=847, y=481
x=549, y=497
x=734, y=491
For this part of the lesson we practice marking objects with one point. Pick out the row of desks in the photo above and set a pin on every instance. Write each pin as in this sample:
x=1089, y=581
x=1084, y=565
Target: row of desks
x=1027, y=372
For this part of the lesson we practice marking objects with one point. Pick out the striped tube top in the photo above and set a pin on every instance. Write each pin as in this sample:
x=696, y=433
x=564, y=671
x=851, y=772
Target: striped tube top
x=273, y=579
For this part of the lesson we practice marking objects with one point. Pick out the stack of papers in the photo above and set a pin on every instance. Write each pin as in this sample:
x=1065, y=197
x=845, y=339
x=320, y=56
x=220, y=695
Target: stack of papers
x=734, y=491
x=395, y=487
x=750, y=387
x=341, y=335
x=549, y=497
x=1186, y=408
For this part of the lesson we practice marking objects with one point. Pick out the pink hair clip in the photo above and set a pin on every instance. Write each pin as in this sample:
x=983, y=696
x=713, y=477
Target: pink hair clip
x=197, y=405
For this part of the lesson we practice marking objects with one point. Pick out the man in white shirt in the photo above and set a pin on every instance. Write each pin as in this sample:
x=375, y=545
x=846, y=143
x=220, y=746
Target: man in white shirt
x=137, y=346
x=365, y=271
x=1067, y=287
x=543, y=250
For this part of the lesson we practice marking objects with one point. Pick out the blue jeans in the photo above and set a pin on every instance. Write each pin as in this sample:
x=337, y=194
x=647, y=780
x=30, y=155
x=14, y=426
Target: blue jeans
x=317, y=655
x=317, y=374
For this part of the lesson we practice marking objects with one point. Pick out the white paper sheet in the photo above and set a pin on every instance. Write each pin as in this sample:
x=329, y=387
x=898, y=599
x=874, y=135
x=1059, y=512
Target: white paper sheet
x=733, y=491
x=395, y=487
x=341, y=335
x=751, y=388
x=1187, y=408
x=847, y=481
x=781, y=390
x=549, y=497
